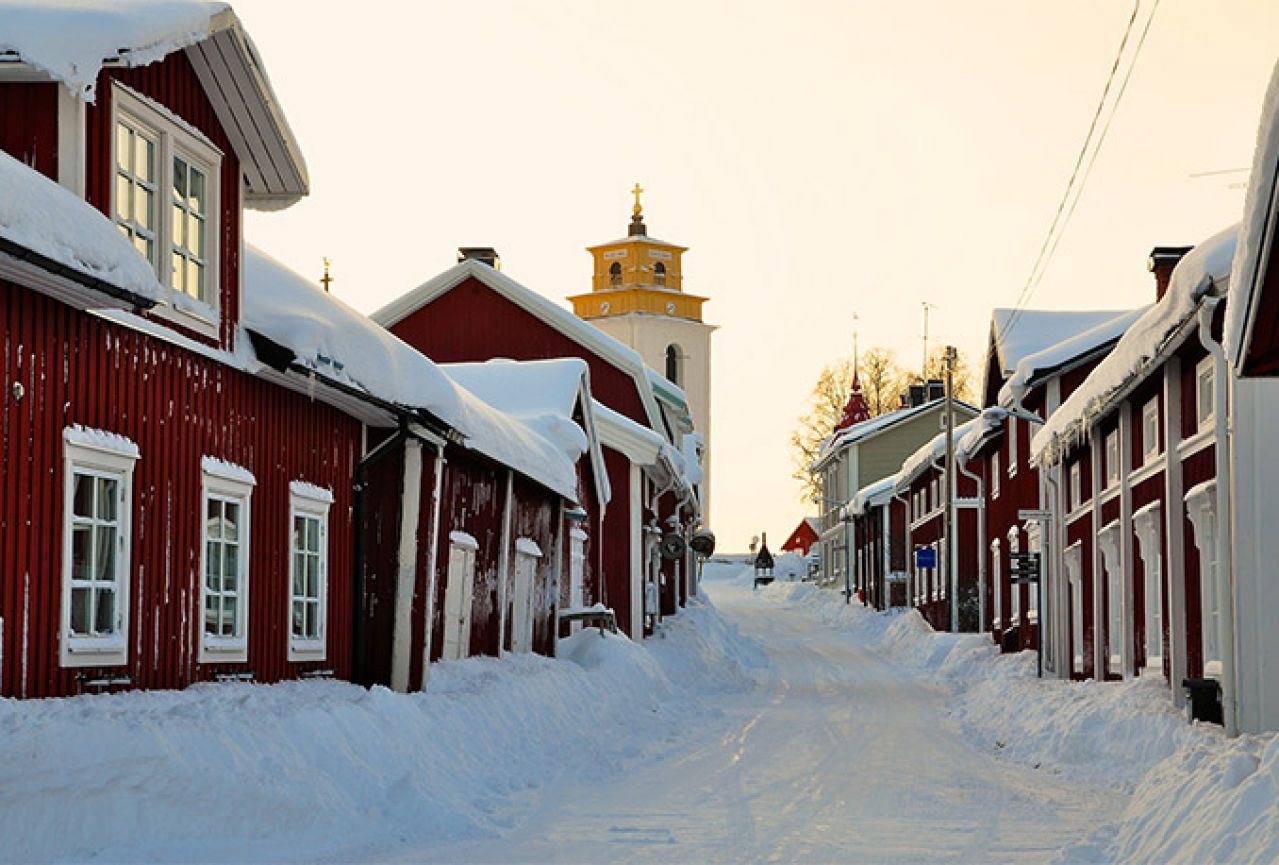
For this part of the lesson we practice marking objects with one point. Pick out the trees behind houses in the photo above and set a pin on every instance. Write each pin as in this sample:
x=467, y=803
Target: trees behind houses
x=883, y=381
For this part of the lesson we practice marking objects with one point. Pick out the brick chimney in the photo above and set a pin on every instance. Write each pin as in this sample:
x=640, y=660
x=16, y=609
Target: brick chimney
x=1161, y=263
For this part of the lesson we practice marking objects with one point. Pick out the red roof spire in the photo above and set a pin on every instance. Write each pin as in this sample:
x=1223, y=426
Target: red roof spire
x=856, y=410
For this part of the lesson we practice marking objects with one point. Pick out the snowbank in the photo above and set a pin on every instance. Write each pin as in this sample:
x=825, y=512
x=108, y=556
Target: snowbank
x=236, y=771
x=1196, y=796
x=71, y=41
x=39, y=215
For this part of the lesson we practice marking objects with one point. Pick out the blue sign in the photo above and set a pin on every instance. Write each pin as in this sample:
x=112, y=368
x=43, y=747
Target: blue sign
x=925, y=557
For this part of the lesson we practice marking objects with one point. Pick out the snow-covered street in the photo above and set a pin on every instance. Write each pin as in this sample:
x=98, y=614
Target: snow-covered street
x=836, y=755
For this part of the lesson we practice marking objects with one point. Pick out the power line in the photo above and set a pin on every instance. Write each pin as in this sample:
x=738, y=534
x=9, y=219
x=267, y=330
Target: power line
x=1085, y=161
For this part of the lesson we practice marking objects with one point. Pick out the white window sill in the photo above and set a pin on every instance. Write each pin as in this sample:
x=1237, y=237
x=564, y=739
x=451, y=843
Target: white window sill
x=189, y=313
x=215, y=651
x=95, y=653
x=300, y=652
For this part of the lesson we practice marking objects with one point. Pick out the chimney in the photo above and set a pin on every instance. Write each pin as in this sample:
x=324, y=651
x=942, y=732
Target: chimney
x=1161, y=263
x=936, y=389
x=483, y=254
x=916, y=392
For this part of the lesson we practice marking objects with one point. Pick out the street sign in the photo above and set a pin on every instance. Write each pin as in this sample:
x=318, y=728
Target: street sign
x=925, y=557
x=1037, y=516
x=1025, y=568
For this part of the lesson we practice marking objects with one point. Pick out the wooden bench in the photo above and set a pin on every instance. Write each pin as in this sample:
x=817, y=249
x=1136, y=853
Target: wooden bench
x=592, y=619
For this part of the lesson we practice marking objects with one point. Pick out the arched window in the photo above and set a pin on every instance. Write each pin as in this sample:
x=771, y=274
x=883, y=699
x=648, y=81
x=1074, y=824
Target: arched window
x=615, y=274
x=659, y=273
x=674, y=362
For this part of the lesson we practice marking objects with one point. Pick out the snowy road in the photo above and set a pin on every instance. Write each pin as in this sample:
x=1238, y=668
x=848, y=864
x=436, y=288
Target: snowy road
x=838, y=755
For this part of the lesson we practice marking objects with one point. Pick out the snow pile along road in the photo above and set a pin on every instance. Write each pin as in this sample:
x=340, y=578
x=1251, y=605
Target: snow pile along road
x=1196, y=796
x=230, y=771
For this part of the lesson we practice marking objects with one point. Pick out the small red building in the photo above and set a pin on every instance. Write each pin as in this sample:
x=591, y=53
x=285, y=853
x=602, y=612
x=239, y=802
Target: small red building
x=803, y=537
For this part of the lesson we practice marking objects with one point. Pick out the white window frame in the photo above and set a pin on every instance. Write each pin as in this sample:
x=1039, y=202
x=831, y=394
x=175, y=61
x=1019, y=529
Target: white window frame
x=1074, y=561
x=97, y=454
x=994, y=475
x=996, y=580
x=1034, y=544
x=1205, y=404
x=1012, y=447
x=309, y=502
x=175, y=138
x=1201, y=509
x=1116, y=602
x=1014, y=589
x=229, y=484
x=1150, y=449
x=1076, y=485
x=1148, y=528
x=1112, y=459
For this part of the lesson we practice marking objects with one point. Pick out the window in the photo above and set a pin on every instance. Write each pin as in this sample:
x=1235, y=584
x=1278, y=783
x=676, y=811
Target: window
x=308, y=570
x=615, y=274
x=165, y=201
x=1012, y=446
x=97, y=497
x=224, y=591
x=659, y=274
x=1204, y=395
x=1074, y=577
x=1108, y=544
x=1076, y=486
x=1014, y=603
x=1201, y=508
x=1147, y=527
x=1112, y=459
x=1034, y=544
x=994, y=475
x=1150, y=431
x=673, y=364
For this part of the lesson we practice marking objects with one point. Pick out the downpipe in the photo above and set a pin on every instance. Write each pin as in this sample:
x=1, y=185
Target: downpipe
x=1225, y=556
x=981, y=541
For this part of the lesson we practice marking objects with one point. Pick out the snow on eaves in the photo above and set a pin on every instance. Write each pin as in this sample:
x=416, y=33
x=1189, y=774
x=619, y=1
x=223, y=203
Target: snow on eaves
x=1079, y=345
x=984, y=427
x=1019, y=334
x=43, y=217
x=932, y=452
x=337, y=343
x=867, y=428
x=72, y=39
x=1204, y=268
x=1258, y=219
x=872, y=495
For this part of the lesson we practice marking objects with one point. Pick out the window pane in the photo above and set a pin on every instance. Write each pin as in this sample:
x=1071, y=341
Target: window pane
x=299, y=573
x=144, y=205
x=213, y=519
x=82, y=495
x=312, y=577
x=230, y=567
x=195, y=279
x=80, y=611
x=313, y=535
x=104, y=621
x=144, y=159
x=179, y=180
x=179, y=229
x=81, y=541
x=179, y=272
x=228, y=617
x=299, y=619
x=195, y=235
x=196, y=191
x=231, y=523
x=123, y=188
x=143, y=245
x=104, y=553
x=122, y=141
x=211, y=614
x=299, y=532
x=215, y=566
x=108, y=491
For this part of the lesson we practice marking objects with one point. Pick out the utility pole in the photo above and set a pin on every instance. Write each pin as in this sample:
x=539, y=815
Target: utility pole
x=856, y=319
x=952, y=573
x=923, y=370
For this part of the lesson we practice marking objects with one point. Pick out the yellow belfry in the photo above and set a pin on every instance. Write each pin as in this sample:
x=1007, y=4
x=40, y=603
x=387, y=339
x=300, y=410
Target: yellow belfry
x=638, y=274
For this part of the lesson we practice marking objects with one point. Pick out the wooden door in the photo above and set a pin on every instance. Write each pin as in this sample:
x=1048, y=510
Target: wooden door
x=457, y=602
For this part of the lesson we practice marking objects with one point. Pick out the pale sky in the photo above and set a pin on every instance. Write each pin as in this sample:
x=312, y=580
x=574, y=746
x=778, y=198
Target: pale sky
x=820, y=159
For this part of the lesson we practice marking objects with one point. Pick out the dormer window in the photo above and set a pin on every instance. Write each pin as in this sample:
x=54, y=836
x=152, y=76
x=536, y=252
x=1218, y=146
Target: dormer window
x=659, y=274
x=165, y=200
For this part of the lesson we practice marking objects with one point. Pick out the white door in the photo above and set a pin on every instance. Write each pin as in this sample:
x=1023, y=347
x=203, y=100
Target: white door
x=457, y=602
x=526, y=556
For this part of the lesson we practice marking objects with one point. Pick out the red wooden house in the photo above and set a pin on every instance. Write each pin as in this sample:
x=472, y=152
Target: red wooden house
x=880, y=551
x=1036, y=359
x=473, y=313
x=1132, y=453
x=193, y=471
x=803, y=537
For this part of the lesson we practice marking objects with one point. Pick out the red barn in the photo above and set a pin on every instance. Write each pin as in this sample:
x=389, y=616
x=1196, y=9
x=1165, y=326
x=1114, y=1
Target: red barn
x=802, y=539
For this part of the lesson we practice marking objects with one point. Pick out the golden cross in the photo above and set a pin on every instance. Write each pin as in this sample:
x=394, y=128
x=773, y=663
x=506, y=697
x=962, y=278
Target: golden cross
x=326, y=280
x=636, y=191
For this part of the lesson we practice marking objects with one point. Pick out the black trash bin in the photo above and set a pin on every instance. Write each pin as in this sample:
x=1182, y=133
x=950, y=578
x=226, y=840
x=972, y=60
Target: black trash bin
x=1203, y=699
x=1010, y=641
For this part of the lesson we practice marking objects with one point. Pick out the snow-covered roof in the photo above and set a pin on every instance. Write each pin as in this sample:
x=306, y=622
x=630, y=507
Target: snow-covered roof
x=585, y=334
x=1204, y=268
x=876, y=425
x=934, y=450
x=640, y=444
x=1034, y=330
x=1257, y=230
x=873, y=495
x=545, y=395
x=1078, y=346
x=66, y=233
x=984, y=427
x=341, y=345
x=72, y=40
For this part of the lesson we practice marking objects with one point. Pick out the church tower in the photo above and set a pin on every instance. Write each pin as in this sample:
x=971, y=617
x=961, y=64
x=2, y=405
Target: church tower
x=637, y=296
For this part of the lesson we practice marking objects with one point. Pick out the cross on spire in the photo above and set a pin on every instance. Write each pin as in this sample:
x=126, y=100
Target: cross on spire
x=638, y=208
x=637, y=227
x=326, y=280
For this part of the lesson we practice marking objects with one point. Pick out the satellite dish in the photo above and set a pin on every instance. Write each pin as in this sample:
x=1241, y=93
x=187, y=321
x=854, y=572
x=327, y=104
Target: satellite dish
x=672, y=546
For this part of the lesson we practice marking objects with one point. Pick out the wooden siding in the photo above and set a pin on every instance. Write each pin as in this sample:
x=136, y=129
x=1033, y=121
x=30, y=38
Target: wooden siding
x=177, y=406
x=173, y=84
x=1080, y=532
x=615, y=542
x=29, y=124
x=471, y=322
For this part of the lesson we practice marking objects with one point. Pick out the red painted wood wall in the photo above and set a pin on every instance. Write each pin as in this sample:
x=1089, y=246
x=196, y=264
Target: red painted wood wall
x=29, y=125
